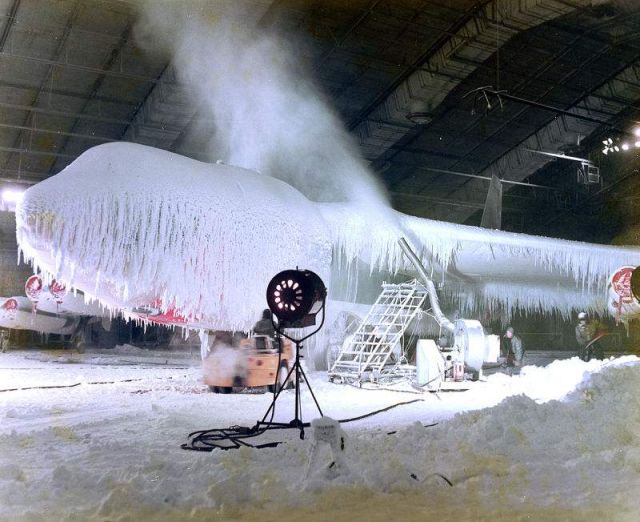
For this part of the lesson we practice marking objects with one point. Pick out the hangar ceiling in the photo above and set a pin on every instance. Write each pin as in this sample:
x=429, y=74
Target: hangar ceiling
x=72, y=76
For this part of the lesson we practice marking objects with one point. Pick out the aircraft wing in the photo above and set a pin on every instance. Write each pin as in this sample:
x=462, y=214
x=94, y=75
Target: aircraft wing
x=199, y=248
x=489, y=269
x=17, y=313
x=48, y=309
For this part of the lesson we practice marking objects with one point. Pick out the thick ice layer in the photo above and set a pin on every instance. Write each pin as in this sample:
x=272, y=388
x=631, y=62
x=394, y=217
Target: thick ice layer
x=131, y=224
x=503, y=299
x=505, y=271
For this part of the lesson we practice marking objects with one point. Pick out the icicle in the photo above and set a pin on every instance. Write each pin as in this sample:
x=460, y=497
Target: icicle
x=203, y=246
x=132, y=225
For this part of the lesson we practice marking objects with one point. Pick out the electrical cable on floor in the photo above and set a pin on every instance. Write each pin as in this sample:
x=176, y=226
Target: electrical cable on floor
x=215, y=438
x=424, y=425
x=206, y=440
x=439, y=475
x=54, y=386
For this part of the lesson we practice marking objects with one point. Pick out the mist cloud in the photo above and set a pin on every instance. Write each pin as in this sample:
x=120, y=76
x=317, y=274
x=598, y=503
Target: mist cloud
x=268, y=114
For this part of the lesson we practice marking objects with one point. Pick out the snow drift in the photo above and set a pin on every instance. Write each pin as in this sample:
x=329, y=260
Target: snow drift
x=563, y=445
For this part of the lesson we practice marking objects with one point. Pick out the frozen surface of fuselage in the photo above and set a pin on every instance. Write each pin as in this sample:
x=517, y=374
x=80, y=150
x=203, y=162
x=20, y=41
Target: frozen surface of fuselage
x=136, y=226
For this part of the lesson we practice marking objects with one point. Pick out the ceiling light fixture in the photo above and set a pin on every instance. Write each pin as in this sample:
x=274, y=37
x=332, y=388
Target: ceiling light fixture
x=419, y=117
x=12, y=195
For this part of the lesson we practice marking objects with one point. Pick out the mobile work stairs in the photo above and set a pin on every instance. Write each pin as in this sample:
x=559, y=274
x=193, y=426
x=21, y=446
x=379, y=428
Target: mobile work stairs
x=369, y=352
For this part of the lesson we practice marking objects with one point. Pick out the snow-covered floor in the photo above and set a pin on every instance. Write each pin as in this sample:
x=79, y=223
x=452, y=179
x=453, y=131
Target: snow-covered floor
x=554, y=443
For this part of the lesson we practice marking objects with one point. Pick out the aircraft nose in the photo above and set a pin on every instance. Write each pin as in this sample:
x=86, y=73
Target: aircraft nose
x=36, y=220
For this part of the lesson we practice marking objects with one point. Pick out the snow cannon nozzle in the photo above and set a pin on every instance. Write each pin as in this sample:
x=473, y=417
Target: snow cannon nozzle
x=295, y=297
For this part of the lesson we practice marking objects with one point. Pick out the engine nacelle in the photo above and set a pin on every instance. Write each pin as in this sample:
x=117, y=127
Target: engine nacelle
x=469, y=339
x=623, y=296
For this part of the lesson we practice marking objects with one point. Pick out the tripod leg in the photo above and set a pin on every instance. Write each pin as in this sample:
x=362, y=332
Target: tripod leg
x=311, y=391
x=278, y=392
x=297, y=421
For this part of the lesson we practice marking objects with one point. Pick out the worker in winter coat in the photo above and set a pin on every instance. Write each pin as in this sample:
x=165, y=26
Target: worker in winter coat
x=514, y=349
x=587, y=335
x=265, y=326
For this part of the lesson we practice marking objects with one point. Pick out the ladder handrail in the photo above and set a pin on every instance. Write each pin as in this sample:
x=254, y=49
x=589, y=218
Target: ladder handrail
x=381, y=329
x=376, y=349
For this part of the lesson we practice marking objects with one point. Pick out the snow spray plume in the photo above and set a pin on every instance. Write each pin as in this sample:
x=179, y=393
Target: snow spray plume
x=270, y=118
x=268, y=115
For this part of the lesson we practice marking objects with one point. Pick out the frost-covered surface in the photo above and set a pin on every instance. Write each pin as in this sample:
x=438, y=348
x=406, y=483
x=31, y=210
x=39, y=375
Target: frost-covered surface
x=501, y=299
x=564, y=445
x=130, y=224
x=24, y=318
x=487, y=269
x=473, y=251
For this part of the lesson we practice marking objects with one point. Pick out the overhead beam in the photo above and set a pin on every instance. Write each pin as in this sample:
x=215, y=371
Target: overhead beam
x=499, y=95
x=448, y=202
x=479, y=33
x=84, y=68
x=69, y=94
x=65, y=114
x=11, y=19
x=419, y=62
x=61, y=42
x=17, y=176
x=521, y=164
x=37, y=152
x=97, y=84
x=38, y=130
x=478, y=176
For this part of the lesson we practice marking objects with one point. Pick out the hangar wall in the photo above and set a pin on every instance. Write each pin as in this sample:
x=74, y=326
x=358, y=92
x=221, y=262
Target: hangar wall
x=12, y=274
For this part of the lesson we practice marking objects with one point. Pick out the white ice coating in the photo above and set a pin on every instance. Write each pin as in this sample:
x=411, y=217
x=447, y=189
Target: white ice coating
x=498, y=271
x=24, y=318
x=502, y=300
x=129, y=224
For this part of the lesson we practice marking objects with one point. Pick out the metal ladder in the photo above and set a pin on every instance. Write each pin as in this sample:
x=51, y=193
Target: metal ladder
x=372, y=344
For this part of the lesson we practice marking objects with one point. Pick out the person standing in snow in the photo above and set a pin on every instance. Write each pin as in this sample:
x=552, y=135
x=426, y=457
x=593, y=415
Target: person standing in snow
x=4, y=340
x=514, y=349
x=587, y=335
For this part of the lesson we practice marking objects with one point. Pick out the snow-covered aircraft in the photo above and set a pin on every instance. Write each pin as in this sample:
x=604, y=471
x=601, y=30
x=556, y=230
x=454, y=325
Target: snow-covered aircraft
x=168, y=238
x=48, y=309
x=17, y=313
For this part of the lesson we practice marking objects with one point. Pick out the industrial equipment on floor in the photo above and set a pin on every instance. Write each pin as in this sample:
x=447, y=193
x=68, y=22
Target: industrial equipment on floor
x=373, y=353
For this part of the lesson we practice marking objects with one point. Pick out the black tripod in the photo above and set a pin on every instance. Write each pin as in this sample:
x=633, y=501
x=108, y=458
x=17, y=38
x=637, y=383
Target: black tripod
x=297, y=371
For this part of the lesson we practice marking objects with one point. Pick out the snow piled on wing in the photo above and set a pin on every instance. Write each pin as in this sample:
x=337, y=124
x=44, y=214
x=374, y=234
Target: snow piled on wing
x=505, y=299
x=359, y=232
x=589, y=265
x=130, y=224
x=506, y=272
x=369, y=233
